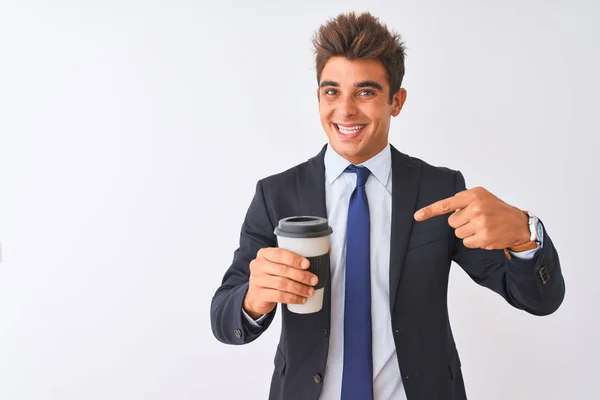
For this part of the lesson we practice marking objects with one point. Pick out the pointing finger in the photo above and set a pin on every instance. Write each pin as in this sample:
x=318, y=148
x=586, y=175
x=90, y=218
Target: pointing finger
x=441, y=207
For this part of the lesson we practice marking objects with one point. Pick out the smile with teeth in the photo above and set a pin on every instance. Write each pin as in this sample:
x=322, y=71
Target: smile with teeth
x=349, y=130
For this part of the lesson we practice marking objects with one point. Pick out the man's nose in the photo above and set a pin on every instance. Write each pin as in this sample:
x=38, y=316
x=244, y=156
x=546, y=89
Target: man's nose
x=347, y=106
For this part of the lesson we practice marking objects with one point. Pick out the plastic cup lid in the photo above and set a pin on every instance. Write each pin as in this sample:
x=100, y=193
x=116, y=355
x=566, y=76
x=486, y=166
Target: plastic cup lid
x=303, y=227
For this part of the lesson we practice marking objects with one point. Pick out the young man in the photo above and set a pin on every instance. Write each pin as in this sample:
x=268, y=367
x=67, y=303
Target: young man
x=419, y=219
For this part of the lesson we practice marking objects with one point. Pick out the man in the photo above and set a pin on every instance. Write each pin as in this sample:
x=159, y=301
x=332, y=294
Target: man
x=419, y=219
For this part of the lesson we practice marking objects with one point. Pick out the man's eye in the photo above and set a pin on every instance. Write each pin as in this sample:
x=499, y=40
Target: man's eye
x=365, y=93
x=330, y=92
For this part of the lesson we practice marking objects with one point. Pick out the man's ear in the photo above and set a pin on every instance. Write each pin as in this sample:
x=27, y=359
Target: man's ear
x=318, y=96
x=398, y=101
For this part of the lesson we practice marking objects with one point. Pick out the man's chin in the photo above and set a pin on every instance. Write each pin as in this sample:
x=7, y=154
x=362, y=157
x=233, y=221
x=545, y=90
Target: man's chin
x=345, y=150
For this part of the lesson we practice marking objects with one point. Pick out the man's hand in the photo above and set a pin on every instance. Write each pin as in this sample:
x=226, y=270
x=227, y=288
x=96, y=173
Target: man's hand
x=277, y=276
x=481, y=219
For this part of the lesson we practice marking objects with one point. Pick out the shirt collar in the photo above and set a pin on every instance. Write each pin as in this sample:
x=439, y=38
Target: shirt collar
x=379, y=165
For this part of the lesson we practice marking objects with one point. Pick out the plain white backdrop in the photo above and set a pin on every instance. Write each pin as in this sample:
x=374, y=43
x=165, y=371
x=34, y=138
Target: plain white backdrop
x=132, y=135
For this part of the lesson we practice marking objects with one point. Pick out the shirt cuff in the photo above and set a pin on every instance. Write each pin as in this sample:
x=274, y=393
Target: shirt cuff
x=254, y=323
x=525, y=255
x=529, y=254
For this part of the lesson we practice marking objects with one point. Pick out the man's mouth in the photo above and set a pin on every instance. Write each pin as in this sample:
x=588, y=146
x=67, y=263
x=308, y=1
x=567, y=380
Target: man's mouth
x=349, y=130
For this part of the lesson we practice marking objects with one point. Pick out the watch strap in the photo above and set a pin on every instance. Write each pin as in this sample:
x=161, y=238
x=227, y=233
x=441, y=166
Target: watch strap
x=530, y=245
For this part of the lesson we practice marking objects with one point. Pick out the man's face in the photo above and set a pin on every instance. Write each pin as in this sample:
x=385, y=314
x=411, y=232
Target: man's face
x=354, y=107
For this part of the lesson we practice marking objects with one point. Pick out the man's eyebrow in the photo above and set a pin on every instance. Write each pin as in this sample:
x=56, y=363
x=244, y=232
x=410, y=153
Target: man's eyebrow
x=362, y=84
x=329, y=83
x=369, y=84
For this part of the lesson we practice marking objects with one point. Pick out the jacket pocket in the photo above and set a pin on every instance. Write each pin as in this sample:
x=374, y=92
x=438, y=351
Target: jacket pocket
x=423, y=238
x=429, y=227
x=426, y=232
x=279, y=363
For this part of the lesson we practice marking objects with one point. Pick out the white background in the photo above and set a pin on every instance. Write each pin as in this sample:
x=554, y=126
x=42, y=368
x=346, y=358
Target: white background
x=132, y=135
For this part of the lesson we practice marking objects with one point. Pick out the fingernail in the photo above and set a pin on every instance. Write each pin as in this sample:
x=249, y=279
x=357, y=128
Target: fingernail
x=419, y=214
x=311, y=291
x=304, y=299
x=305, y=263
x=314, y=280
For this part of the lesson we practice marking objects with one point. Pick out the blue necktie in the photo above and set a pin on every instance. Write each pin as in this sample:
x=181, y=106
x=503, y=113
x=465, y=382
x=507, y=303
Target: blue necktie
x=357, y=379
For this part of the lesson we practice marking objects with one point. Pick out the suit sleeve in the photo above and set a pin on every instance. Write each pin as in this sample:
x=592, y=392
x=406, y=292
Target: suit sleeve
x=535, y=285
x=227, y=322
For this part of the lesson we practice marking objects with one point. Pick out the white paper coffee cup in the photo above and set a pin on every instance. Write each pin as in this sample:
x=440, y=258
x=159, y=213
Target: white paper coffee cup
x=309, y=237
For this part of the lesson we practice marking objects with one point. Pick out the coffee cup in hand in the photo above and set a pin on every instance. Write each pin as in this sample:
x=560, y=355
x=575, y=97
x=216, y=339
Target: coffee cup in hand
x=309, y=237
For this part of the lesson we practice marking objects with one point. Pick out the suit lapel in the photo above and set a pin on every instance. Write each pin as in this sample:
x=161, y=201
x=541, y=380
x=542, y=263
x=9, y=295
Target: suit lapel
x=310, y=188
x=405, y=187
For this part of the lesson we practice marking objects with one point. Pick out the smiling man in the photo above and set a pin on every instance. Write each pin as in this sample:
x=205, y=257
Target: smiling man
x=387, y=336
x=355, y=104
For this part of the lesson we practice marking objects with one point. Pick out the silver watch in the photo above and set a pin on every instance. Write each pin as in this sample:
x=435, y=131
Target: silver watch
x=535, y=229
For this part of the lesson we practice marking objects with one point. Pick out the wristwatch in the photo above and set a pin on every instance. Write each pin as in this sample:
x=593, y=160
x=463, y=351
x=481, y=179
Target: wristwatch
x=535, y=228
x=536, y=237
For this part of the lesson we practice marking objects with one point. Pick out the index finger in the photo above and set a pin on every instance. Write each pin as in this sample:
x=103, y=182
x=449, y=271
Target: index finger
x=283, y=256
x=441, y=207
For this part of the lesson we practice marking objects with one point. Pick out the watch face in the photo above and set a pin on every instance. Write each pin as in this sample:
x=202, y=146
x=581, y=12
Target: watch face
x=540, y=231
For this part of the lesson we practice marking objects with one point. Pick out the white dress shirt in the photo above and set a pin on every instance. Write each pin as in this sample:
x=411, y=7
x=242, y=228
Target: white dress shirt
x=387, y=383
x=339, y=186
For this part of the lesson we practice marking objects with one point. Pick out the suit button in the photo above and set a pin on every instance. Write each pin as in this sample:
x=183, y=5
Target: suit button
x=237, y=333
x=326, y=332
x=317, y=378
x=544, y=273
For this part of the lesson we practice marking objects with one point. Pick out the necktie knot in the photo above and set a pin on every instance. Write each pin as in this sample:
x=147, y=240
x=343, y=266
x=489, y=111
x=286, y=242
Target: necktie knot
x=362, y=174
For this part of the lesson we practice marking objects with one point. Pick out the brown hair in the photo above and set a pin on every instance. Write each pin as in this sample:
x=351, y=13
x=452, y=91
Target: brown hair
x=361, y=37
